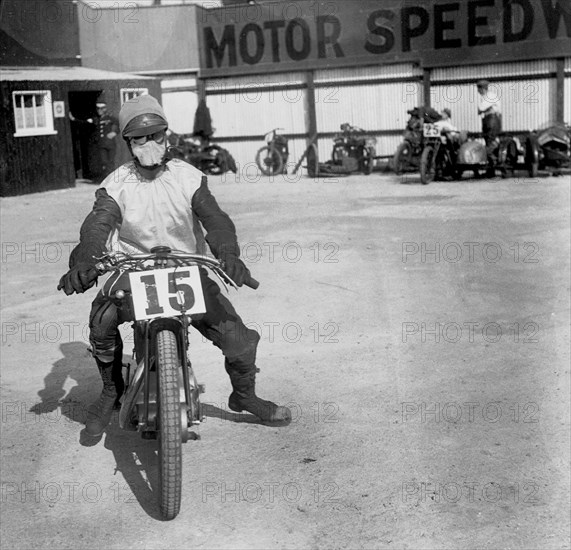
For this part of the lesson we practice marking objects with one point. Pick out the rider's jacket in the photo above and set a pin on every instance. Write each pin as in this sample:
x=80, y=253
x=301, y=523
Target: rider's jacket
x=133, y=214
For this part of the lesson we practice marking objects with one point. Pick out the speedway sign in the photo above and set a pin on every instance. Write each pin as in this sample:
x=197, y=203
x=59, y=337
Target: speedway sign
x=308, y=34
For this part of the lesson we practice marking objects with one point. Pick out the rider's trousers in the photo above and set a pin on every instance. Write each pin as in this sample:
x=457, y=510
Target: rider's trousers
x=220, y=324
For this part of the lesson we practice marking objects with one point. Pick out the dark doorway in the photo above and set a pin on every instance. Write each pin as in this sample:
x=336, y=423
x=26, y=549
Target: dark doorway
x=84, y=134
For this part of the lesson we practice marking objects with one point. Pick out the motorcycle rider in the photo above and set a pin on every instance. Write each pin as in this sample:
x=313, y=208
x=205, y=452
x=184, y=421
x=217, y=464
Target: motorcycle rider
x=153, y=200
x=490, y=111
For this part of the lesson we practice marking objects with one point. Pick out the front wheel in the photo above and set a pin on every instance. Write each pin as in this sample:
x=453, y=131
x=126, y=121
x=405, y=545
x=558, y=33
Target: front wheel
x=169, y=428
x=367, y=160
x=427, y=165
x=402, y=158
x=269, y=161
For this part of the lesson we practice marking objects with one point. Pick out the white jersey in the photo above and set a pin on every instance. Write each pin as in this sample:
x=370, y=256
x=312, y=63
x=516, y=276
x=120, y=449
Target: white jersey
x=155, y=212
x=489, y=103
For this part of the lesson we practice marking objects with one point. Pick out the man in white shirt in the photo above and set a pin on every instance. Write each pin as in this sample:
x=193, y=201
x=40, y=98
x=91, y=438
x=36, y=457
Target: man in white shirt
x=490, y=111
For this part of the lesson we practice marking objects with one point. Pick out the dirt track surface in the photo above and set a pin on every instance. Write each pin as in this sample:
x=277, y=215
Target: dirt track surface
x=430, y=393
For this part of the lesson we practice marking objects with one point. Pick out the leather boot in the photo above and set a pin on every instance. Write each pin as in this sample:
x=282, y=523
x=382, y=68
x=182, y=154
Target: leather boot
x=100, y=412
x=244, y=397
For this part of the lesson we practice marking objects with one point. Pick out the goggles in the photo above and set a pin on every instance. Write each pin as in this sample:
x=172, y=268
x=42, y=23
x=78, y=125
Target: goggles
x=158, y=137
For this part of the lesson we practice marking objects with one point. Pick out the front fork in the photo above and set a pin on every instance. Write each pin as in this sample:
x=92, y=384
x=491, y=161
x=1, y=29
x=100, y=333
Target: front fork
x=140, y=401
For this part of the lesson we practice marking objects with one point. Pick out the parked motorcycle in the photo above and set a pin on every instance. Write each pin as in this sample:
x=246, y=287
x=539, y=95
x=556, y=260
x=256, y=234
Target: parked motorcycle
x=407, y=155
x=162, y=292
x=447, y=155
x=438, y=158
x=548, y=148
x=207, y=157
x=353, y=149
x=272, y=158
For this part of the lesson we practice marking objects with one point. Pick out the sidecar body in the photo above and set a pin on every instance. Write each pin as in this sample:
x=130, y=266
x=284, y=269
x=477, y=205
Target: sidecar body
x=471, y=156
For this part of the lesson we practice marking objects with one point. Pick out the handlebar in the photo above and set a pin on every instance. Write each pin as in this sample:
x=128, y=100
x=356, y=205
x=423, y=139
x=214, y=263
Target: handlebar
x=113, y=261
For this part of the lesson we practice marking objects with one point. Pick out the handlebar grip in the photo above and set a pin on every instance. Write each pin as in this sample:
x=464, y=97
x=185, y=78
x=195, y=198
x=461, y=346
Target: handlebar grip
x=252, y=283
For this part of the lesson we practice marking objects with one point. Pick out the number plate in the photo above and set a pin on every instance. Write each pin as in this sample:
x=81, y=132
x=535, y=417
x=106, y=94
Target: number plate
x=431, y=130
x=163, y=292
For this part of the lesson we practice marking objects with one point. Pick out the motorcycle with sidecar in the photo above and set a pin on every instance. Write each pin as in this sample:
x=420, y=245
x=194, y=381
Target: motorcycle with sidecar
x=353, y=150
x=207, y=157
x=549, y=148
x=447, y=155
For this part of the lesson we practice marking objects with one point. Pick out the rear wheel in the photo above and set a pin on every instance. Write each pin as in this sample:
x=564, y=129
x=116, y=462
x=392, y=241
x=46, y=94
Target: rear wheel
x=269, y=161
x=427, y=165
x=312, y=161
x=169, y=425
x=402, y=158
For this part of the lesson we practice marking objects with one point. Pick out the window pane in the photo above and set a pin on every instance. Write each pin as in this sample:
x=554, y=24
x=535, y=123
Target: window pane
x=33, y=113
x=40, y=111
x=29, y=111
x=19, y=118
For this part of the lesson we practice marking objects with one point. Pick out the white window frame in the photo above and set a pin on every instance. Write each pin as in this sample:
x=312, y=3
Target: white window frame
x=129, y=93
x=17, y=103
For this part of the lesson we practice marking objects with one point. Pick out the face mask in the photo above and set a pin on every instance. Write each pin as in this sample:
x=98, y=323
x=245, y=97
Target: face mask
x=149, y=154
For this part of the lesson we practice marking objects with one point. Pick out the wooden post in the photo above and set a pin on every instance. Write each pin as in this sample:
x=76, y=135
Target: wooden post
x=310, y=114
x=426, y=87
x=559, y=90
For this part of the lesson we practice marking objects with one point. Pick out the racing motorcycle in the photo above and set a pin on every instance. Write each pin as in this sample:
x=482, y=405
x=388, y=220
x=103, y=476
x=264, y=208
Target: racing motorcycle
x=162, y=291
x=438, y=156
x=272, y=157
x=408, y=152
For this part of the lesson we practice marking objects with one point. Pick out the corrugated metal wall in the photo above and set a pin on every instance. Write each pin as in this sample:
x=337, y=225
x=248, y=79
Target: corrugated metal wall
x=180, y=100
x=252, y=106
x=377, y=99
x=526, y=91
x=375, y=106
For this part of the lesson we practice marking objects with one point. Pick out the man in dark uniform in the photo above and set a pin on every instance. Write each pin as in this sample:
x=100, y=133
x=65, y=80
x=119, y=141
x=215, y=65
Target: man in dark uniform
x=107, y=128
x=489, y=110
x=103, y=131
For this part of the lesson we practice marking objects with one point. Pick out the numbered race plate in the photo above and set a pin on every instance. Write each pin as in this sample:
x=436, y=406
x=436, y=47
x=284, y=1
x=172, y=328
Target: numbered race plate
x=430, y=130
x=163, y=292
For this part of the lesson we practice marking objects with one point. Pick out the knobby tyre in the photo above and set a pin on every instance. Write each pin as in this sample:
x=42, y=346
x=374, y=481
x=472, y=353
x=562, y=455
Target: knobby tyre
x=427, y=165
x=170, y=442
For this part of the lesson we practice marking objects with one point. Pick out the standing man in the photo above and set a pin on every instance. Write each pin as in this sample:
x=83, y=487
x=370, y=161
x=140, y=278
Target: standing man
x=108, y=129
x=104, y=129
x=489, y=110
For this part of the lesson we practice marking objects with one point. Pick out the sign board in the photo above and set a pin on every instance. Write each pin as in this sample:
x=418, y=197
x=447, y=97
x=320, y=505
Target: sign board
x=310, y=34
x=59, y=109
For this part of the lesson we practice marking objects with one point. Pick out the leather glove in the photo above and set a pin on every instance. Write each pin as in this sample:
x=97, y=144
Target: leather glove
x=79, y=278
x=236, y=269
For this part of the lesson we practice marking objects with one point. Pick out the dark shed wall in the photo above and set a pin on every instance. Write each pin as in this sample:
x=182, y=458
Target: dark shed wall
x=39, y=163
x=33, y=163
